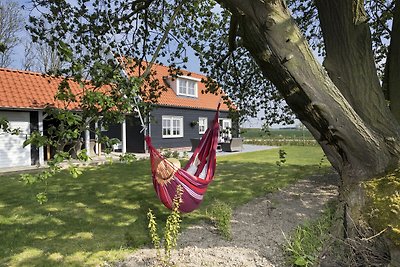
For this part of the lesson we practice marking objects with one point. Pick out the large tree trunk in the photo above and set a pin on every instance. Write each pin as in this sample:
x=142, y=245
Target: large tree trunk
x=354, y=127
x=392, y=70
x=343, y=105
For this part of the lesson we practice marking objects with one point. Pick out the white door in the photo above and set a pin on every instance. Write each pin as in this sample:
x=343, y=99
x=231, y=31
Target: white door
x=12, y=153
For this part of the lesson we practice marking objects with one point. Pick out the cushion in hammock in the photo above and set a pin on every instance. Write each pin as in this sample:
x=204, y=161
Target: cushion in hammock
x=166, y=168
x=175, y=161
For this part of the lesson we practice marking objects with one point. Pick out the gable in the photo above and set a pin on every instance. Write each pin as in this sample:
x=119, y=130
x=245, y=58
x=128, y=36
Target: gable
x=172, y=98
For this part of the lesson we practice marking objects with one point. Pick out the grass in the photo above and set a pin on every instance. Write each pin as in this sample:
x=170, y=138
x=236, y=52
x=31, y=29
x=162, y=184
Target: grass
x=101, y=216
x=307, y=241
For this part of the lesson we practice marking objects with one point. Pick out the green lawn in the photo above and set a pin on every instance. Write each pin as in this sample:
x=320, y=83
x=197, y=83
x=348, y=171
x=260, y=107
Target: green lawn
x=101, y=216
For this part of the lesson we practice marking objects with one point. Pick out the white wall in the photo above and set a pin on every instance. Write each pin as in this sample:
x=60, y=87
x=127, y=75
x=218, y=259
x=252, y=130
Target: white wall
x=12, y=153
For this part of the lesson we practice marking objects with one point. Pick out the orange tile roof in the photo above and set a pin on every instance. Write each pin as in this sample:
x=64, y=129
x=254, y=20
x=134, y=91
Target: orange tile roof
x=30, y=90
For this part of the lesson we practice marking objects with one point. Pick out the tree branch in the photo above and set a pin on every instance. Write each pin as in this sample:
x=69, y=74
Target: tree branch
x=162, y=40
x=284, y=56
x=350, y=62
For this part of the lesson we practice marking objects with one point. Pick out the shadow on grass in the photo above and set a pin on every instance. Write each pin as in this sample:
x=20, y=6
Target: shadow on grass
x=101, y=216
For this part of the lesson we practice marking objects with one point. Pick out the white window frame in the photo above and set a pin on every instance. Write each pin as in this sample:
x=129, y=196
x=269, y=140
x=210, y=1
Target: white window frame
x=187, y=80
x=203, y=125
x=225, y=123
x=171, y=127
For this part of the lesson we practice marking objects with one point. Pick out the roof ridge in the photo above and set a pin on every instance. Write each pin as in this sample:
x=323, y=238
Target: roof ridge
x=182, y=69
x=24, y=72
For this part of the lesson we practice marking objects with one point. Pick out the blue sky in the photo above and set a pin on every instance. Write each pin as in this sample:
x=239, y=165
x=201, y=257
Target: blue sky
x=192, y=65
x=19, y=51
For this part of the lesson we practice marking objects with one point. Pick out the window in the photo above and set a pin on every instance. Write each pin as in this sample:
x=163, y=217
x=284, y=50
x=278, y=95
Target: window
x=225, y=126
x=203, y=123
x=172, y=126
x=187, y=87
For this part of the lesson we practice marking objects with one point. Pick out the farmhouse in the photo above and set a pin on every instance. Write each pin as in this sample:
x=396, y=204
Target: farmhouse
x=183, y=112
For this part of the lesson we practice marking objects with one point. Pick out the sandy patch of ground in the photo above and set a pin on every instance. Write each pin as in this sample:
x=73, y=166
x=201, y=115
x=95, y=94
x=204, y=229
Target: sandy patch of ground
x=258, y=229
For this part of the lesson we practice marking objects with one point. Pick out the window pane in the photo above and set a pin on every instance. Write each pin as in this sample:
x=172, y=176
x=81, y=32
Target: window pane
x=202, y=125
x=166, y=126
x=191, y=86
x=182, y=87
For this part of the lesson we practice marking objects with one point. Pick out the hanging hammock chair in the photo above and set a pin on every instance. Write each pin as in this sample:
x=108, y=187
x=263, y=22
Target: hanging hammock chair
x=194, y=177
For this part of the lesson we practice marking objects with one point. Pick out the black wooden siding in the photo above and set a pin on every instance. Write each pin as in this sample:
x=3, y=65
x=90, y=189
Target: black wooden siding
x=135, y=139
x=188, y=115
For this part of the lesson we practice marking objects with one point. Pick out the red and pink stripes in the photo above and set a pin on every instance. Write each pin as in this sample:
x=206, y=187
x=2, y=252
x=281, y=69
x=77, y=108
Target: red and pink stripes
x=194, y=177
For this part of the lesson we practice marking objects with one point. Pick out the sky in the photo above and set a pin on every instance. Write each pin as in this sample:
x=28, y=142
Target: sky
x=193, y=64
x=19, y=50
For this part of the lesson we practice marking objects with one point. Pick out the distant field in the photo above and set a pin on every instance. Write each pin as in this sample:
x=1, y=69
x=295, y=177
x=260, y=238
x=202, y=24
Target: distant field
x=278, y=136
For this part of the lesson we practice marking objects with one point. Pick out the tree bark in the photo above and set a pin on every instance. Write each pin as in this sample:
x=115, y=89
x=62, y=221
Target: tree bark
x=392, y=77
x=342, y=106
x=350, y=62
x=359, y=136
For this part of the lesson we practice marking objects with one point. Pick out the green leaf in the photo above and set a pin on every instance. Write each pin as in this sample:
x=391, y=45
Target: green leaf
x=300, y=261
x=3, y=48
x=75, y=171
x=66, y=51
x=41, y=197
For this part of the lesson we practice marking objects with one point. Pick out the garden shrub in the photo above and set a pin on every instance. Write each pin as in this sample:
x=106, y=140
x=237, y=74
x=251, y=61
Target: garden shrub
x=221, y=214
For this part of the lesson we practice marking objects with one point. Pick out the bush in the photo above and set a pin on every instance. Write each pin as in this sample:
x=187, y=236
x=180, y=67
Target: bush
x=383, y=205
x=281, y=142
x=127, y=158
x=171, y=230
x=221, y=214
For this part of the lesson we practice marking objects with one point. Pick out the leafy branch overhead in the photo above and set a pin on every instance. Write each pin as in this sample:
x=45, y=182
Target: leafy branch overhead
x=89, y=39
x=245, y=47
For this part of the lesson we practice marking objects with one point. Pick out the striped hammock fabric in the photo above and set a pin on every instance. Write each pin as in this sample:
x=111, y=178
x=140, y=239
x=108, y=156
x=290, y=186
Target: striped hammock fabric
x=194, y=177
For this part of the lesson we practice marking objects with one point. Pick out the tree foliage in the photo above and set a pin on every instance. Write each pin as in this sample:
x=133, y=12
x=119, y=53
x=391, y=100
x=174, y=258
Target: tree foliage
x=83, y=37
x=94, y=30
x=90, y=35
x=240, y=44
